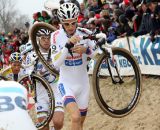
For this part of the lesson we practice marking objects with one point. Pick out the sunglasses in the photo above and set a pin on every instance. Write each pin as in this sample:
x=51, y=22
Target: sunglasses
x=68, y=24
x=45, y=37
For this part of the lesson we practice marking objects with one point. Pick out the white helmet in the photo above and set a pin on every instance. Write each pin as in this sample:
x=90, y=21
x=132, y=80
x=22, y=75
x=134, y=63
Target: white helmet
x=22, y=48
x=51, y=5
x=68, y=11
x=15, y=57
x=43, y=32
x=28, y=48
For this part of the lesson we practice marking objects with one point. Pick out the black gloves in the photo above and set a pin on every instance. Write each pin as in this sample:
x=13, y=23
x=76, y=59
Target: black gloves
x=69, y=45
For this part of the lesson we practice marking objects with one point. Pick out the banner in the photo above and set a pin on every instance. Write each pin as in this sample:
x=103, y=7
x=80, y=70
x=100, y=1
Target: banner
x=146, y=52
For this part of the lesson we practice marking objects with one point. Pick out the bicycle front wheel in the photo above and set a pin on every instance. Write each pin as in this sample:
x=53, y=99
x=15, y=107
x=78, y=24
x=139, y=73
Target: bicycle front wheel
x=117, y=82
x=34, y=30
x=41, y=102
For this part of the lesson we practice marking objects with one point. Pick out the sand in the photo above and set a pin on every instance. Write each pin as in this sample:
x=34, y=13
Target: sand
x=146, y=116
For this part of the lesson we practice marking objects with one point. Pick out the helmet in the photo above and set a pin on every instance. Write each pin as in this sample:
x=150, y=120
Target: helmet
x=43, y=32
x=68, y=11
x=51, y=5
x=22, y=48
x=28, y=48
x=15, y=57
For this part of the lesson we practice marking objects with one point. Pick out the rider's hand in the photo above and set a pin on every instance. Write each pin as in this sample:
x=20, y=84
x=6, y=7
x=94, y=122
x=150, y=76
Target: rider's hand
x=80, y=49
x=74, y=39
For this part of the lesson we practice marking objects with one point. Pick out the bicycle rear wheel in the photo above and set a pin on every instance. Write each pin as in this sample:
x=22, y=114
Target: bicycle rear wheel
x=39, y=91
x=119, y=95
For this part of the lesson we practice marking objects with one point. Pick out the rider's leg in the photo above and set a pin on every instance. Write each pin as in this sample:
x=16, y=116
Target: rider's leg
x=58, y=119
x=73, y=110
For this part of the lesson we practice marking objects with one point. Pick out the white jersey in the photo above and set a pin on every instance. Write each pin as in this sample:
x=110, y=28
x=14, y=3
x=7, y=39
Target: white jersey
x=73, y=80
x=40, y=68
x=52, y=80
x=13, y=102
x=72, y=69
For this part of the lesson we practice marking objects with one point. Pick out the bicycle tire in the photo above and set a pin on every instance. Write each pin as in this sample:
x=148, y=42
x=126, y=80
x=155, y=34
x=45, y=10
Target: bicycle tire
x=105, y=105
x=33, y=34
x=50, y=94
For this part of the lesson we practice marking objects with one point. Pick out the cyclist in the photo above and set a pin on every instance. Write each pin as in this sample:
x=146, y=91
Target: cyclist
x=14, y=71
x=13, y=102
x=47, y=50
x=72, y=59
x=28, y=48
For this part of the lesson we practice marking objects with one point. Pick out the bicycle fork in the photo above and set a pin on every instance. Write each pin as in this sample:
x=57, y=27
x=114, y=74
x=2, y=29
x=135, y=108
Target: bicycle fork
x=110, y=58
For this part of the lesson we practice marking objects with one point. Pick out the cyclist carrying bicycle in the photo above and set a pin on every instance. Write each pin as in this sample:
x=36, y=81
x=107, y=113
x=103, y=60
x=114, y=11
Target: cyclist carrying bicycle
x=14, y=71
x=47, y=50
x=72, y=59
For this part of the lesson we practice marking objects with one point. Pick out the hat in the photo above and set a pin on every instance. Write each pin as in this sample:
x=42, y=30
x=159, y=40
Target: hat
x=126, y=2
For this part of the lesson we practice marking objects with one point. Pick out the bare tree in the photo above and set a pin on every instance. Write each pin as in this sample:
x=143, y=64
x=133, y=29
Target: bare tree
x=21, y=20
x=9, y=16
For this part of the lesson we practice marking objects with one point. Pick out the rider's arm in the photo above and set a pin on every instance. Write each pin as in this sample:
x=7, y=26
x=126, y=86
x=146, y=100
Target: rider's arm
x=60, y=54
x=4, y=72
x=29, y=67
x=59, y=57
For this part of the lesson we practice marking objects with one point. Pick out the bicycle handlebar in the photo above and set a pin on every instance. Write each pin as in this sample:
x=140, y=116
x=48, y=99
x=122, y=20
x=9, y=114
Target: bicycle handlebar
x=100, y=38
x=94, y=36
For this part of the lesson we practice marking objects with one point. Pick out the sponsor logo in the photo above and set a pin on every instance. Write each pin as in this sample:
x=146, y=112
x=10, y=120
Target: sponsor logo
x=54, y=36
x=61, y=89
x=73, y=62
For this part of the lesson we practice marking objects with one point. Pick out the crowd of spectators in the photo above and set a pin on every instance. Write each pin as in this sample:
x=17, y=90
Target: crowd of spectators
x=115, y=18
x=121, y=18
x=10, y=42
x=118, y=18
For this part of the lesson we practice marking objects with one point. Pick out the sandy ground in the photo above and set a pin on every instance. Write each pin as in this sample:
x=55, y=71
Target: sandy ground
x=146, y=116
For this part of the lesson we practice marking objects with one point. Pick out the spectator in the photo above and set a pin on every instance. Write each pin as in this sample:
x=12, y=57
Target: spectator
x=94, y=7
x=83, y=13
x=46, y=17
x=155, y=12
x=130, y=16
x=93, y=27
x=124, y=29
x=146, y=24
x=37, y=17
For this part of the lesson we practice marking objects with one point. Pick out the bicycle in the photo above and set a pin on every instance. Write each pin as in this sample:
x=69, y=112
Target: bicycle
x=33, y=83
x=114, y=60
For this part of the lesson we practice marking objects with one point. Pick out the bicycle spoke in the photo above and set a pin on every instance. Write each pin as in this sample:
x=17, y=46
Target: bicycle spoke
x=116, y=88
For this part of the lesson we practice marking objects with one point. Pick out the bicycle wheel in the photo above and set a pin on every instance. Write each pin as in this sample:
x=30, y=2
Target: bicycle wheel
x=117, y=92
x=35, y=28
x=39, y=91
